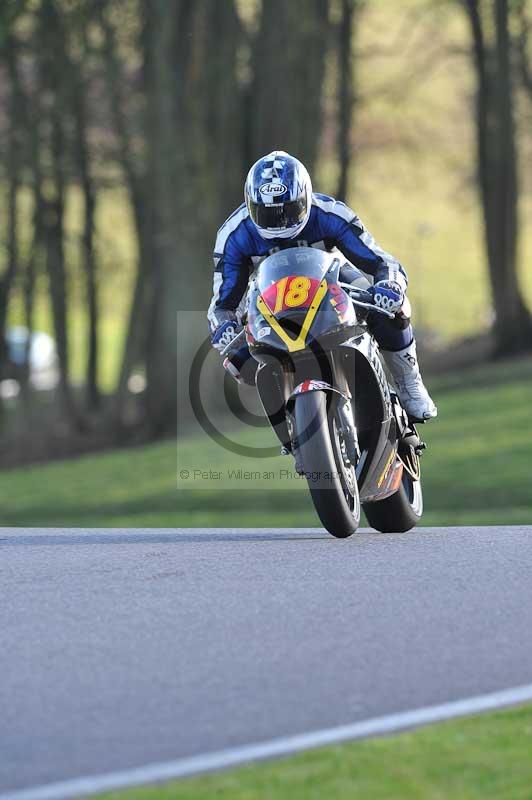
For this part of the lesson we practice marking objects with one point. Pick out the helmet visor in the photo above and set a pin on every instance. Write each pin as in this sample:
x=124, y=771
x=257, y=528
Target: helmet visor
x=278, y=216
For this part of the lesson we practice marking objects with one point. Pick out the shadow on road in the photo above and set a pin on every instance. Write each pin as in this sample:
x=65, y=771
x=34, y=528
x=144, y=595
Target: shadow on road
x=44, y=538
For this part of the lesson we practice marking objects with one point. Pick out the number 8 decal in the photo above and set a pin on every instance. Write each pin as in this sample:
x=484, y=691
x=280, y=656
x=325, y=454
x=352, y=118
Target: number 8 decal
x=298, y=292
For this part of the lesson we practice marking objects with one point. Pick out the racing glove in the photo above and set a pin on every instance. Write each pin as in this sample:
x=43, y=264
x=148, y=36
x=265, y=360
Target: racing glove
x=227, y=330
x=388, y=295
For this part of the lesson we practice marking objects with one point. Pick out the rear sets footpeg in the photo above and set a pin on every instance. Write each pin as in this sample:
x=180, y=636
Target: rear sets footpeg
x=420, y=448
x=410, y=450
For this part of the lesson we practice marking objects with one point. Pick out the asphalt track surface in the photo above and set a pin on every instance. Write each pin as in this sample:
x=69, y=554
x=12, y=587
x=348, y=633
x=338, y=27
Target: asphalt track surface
x=123, y=648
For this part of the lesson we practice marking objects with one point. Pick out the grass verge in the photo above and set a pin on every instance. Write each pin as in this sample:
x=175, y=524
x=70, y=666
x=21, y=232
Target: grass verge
x=478, y=758
x=476, y=471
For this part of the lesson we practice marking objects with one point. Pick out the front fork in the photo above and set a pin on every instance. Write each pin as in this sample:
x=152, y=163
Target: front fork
x=344, y=408
x=339, y=406
x=348, y=431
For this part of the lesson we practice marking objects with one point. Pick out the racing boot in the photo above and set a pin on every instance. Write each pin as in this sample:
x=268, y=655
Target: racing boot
x=404, y=368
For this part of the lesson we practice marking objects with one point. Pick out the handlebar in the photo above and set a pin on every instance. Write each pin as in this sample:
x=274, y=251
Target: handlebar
x=364, y=299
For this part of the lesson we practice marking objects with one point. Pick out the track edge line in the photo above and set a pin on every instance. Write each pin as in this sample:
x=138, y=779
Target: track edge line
x=282, y=746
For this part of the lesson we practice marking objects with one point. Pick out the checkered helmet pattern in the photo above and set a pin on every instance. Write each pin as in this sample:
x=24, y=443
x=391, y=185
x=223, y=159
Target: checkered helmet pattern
x=278, y=194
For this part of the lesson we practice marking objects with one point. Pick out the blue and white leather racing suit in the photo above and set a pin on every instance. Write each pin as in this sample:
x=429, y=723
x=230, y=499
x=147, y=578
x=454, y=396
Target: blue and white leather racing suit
x=240, y=248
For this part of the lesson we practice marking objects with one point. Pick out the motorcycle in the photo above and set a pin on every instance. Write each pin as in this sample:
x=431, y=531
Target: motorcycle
x=324, y=389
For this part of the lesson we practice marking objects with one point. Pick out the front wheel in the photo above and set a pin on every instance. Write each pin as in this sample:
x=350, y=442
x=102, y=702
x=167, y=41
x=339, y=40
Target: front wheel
x=332, y=482
x=399, y=513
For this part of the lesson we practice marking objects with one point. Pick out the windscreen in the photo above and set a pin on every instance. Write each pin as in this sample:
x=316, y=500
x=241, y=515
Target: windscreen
x=294, y=261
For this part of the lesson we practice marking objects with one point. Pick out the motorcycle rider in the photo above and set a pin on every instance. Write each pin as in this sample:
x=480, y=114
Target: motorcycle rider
x=282, y=211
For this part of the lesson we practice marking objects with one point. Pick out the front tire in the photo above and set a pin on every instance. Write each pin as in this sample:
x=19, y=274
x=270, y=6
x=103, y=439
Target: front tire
x=399, y=513
x=332, y=485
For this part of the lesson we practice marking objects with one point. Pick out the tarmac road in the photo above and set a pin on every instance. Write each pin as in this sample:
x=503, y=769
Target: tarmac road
x=120, y=648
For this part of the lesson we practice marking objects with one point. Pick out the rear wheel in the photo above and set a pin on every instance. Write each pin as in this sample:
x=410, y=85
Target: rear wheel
x=331, y=479
x=399, y=513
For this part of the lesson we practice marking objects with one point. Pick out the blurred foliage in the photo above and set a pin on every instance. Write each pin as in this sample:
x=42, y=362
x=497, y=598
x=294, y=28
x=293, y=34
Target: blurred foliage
x=163, y=105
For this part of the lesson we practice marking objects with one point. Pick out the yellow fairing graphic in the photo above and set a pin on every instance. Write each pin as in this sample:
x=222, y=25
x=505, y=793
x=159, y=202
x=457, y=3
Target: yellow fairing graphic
x=294, y=345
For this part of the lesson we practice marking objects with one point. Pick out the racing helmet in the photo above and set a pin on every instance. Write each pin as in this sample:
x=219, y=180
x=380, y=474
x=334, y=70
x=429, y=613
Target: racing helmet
x=278, y=194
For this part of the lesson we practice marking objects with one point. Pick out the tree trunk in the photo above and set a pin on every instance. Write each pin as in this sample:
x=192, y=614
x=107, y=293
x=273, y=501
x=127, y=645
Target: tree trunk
x=52, y=61
x=133, y=170
x=13, y=165
x=288, y=72
x=222, y=118
x=345, y=96
x=165, y=183
x=497, y=171
x=524, y=42
x=88, y=256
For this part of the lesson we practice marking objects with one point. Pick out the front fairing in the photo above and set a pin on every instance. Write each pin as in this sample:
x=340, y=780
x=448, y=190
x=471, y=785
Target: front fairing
x=295, y=303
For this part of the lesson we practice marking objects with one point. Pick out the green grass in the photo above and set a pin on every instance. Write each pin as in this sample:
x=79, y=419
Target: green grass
x=476, y=471
x=481, y=758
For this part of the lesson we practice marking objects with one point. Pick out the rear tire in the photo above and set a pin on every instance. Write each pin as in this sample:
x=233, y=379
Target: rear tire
x=335, y=499
x=399, y=513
